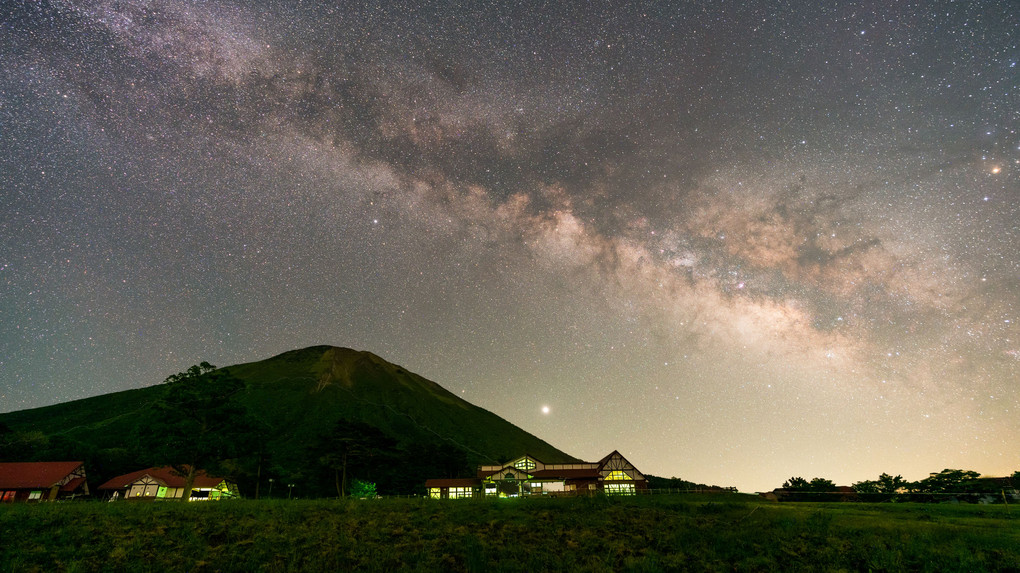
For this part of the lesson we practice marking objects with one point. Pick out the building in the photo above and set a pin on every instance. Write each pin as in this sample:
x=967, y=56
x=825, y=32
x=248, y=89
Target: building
x=42, y=481
x=166, y=483
x=527, y=476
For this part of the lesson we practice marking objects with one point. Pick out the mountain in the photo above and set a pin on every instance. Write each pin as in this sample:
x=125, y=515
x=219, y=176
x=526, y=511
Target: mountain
x=298, y=397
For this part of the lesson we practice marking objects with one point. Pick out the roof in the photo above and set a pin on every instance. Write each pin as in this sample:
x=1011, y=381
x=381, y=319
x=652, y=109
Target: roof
x=73, y=484
x=456, y=482
x=165, y=475
x=567, y=474
x=22, y=475
x=610, y=456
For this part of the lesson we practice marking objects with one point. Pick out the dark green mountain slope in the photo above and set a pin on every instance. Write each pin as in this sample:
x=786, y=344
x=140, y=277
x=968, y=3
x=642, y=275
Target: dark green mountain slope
x=298, y=397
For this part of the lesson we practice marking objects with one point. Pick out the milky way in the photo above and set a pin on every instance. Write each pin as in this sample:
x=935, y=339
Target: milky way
x=735, y=241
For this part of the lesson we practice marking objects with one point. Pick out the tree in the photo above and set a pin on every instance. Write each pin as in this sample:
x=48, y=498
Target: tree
x=889, y=484
x=822, y=485
x=18, y=446
x=815, y=485
x=351, y=446
x=363, y=489
x=884, y=484
x=191, y=373
x=949, y=481
x=195, y=424
x=866, y=486
x=797, y=483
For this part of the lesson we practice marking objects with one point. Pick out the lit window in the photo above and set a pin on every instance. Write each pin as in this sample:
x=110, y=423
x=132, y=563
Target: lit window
x=35, y=495
x=525, y=464
x=435, y=492
x=617, y=475
x=457, y=492
x=620, y=489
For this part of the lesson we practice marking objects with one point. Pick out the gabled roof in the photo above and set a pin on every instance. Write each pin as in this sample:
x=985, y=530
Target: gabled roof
x=164, y=475
x=616, y=461
x=576, y=470
x=611, y=455
x=23, y=475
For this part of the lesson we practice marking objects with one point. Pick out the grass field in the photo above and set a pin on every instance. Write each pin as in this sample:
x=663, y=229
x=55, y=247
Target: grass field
x=648, y=533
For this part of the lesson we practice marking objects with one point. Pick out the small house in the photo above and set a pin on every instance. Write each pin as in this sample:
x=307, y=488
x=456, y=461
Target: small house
x=42, y=481
x=165, y=482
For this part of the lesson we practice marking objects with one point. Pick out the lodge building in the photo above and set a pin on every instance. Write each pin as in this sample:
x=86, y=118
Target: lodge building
x=161, y=483
x=527, y=476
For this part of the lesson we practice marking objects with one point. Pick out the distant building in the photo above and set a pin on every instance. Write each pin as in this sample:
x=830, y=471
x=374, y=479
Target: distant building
x=41, y=481
x=527, y=476
x=164, y=482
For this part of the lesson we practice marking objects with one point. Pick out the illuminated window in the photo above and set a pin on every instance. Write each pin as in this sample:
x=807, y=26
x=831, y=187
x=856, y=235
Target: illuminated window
x=553, y=486
x=525, y=464
x=8, y=496
x=620, y=489
x=435, y=492
x=457, y=492
x=617, y=475
x=34, y=495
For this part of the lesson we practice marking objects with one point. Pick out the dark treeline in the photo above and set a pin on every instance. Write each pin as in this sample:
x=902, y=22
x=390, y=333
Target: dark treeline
x=965, y=485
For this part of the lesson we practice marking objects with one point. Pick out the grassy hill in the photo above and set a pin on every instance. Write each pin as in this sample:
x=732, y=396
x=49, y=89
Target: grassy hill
x=298, y=396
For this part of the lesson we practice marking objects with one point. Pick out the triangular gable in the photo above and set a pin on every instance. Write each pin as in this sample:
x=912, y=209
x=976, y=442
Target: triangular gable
x=123, y=481
x=525, y=463
x=616, y=467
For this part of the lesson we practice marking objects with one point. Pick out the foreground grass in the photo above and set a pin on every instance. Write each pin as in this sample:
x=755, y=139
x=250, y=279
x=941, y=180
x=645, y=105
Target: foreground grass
x=656, y=533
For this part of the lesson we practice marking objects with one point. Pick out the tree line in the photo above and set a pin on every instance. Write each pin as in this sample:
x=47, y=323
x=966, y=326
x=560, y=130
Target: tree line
x=947, y=481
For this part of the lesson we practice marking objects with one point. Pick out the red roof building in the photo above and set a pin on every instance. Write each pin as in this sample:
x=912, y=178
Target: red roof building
x=167, y=483
x=527, y=476
x=41, y=481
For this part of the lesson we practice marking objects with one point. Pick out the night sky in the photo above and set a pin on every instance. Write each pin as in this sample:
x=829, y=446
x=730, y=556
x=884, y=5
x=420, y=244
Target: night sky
x=736, y=241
